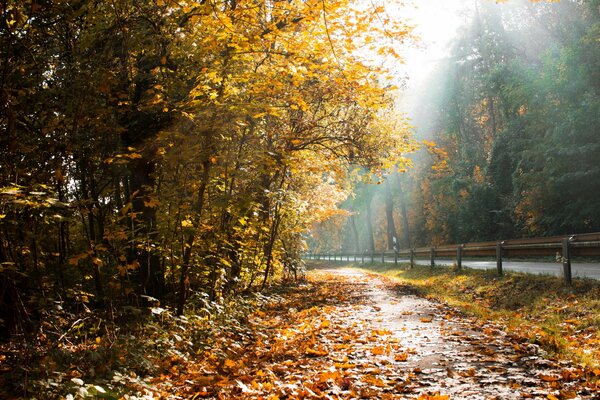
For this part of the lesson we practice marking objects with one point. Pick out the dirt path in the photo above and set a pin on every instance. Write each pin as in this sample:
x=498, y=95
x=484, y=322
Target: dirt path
x=349, y=335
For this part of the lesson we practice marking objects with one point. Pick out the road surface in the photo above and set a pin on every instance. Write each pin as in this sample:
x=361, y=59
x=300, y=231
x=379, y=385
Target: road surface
x=579, y=270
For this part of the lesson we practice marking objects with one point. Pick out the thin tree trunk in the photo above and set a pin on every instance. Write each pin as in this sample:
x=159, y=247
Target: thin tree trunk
x=354, y=232
x=370, y=236
x=403, y=213
x=389, y=213
x=187, y=252
x=269, y=248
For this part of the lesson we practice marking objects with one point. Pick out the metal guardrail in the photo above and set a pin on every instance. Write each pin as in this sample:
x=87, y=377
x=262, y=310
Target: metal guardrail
x=563, y=247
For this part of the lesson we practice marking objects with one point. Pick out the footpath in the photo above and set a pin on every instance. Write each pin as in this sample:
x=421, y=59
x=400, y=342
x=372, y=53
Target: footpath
x=346, y=334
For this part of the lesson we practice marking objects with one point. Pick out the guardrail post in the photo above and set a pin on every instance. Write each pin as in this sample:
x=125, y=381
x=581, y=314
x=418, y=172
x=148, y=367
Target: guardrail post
x=432, y=256
x=566, y=260
x=499, y=258
x=354, y=257
x=395, y=257
x=383, y=257
x=372, y=257
x=412, y=258
x=459, y=253
x=362, y=258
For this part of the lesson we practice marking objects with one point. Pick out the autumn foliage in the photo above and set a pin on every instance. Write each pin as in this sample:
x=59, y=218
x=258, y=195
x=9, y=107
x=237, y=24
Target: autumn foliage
x=157, y=151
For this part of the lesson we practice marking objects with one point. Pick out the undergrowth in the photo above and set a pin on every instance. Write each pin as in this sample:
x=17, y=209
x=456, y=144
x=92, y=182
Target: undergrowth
x=117, y=354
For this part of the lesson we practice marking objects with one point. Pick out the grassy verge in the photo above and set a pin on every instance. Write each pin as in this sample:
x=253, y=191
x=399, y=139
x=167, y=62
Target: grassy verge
x=564, y=321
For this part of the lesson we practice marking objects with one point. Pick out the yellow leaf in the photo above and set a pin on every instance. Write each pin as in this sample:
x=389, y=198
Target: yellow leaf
x=345, y=365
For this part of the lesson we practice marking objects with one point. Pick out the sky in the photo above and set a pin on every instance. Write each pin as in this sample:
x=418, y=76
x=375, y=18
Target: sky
x=436, y=23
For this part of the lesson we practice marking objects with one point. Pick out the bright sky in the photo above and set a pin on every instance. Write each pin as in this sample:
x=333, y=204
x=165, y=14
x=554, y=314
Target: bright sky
x=436, y=22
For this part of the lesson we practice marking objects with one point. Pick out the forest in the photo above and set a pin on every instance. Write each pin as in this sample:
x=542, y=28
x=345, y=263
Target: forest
x=156, y=150
x=166, y=165
x=509, y=124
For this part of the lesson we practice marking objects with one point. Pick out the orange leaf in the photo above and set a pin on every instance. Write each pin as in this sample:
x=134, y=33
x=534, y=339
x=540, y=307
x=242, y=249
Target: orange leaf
x=565, y=394
x=549, y=378
x=316, y=352
x=436, y=396
x=325, y=323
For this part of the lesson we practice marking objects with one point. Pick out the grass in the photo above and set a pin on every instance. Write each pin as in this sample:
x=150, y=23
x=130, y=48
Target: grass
x=565, y=321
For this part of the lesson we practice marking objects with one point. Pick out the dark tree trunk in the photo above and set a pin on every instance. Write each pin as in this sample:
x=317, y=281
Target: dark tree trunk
x=151, y=274
x=187, y=253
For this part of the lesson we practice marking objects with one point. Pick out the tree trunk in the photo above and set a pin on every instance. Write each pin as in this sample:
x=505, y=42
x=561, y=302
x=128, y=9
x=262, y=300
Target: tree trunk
x=151, y=275
x=370, y=236
x=269, y=248
x=389, y=213
x=354, y=231
x=404, y=214
x=187, y=252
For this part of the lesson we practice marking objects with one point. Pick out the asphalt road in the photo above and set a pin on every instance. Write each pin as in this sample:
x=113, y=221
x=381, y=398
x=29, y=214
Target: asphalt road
x=578, y=270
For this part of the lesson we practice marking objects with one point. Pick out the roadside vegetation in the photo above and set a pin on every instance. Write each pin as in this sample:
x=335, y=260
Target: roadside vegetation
x=565, y=321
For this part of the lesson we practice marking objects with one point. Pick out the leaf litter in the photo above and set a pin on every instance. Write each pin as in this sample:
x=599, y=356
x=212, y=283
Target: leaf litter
x=345, y=334
x=339, y=334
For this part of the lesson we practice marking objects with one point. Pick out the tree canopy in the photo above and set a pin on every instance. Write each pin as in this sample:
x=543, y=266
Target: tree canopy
x=154, y=150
